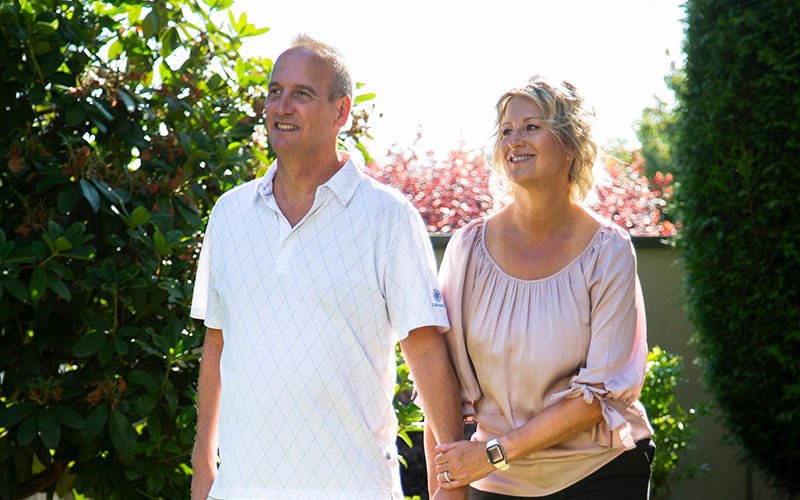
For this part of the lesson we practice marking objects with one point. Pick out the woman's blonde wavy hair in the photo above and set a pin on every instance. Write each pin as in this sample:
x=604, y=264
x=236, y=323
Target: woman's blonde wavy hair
x=566, y=115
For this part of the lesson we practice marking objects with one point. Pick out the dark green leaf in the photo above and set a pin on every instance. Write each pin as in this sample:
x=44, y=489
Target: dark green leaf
x=49, y=429
x=91, y=194
x=98, y=105
x=75, y=114
x=38, y=283
x=68, y=417
x=139, y=216
x=90, y=344
x=130, y=105
x=147, y=403
x=151, y=24
x=28, y=430
x=61, y=244
x=122, y=346
x=171, y=399
x=60, y=288
x=95, y=422
x=144, y=379
x=121, y=433
x=10, y=415
x=67, y=198
x=169, y=42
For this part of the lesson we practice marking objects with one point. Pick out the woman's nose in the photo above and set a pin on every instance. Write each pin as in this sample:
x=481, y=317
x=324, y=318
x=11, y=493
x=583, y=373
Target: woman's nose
x=515, y=138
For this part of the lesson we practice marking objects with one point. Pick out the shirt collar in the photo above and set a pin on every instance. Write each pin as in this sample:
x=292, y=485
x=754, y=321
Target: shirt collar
x=343, y=183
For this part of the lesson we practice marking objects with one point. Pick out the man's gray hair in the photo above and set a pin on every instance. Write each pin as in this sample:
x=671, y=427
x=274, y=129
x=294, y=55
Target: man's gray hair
x=342, y=84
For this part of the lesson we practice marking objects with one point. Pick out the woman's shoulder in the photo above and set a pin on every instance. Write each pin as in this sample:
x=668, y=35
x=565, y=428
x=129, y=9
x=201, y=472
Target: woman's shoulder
x=610, y=240
x=468, y=232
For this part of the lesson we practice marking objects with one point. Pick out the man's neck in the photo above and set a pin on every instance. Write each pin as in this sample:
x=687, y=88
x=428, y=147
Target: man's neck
x=296, y=182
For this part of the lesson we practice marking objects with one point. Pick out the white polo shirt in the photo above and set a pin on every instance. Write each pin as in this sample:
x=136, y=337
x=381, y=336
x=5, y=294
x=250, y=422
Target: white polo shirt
x=310, y=317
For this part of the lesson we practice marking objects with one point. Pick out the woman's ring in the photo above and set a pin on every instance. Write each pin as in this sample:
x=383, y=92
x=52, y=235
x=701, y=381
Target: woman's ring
x=447, y=476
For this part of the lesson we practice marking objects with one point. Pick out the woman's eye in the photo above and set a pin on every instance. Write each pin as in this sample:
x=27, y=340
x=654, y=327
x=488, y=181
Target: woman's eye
x=531, y=126
x=506, y=131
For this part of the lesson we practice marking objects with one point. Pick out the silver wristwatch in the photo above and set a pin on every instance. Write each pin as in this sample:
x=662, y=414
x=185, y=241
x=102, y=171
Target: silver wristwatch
x=496, y=455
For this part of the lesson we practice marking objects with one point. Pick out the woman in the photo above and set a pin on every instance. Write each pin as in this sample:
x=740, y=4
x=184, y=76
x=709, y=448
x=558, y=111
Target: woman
x=548, y=329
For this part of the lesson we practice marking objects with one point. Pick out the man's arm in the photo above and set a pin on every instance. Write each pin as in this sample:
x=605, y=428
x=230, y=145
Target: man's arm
x=425, y=353
x=204, y=455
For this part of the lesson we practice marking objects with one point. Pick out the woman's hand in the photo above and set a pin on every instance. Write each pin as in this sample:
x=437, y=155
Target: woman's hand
x=463, y=462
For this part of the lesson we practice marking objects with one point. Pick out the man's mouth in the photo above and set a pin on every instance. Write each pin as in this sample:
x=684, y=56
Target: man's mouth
x=286, y=126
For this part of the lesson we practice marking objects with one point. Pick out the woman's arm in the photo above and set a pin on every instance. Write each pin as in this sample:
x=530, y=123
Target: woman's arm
x=466, y=461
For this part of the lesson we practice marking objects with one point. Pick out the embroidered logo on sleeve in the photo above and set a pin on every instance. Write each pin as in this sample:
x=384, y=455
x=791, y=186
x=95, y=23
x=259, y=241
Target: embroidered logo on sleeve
x=437, y=298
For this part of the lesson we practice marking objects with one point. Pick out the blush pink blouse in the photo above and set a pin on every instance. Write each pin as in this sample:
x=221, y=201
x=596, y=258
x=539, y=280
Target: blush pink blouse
x=519, y=346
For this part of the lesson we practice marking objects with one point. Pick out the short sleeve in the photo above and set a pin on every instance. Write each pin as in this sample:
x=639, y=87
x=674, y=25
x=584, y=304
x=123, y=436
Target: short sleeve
x=413, y=299
x=206, y=304
x=452, y=275
x=617, y=355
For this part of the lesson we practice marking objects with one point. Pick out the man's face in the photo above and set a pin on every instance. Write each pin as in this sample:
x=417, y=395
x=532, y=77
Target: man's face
x=300, y=118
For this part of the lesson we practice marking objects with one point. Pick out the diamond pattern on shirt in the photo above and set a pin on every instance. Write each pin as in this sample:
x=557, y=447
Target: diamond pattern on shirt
x=310, y=316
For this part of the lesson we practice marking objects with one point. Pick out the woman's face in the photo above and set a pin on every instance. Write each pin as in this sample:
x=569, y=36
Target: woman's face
x=531, y=153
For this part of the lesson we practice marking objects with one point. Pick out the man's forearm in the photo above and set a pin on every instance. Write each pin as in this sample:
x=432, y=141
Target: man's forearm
x=426, y=356
x=209, y=388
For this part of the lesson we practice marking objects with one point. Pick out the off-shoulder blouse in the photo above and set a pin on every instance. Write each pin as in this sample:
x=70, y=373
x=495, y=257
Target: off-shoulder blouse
x=519, y=346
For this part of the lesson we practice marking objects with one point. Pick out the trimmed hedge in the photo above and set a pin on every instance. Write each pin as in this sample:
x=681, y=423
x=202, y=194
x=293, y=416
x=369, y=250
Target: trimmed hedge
x=737, y=151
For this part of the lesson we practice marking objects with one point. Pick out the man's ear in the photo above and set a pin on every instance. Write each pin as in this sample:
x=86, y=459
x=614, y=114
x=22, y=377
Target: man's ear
x=344, y=110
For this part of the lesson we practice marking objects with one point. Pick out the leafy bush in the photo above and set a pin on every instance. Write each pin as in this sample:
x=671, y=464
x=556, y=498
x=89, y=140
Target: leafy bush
x=737, y=153
x=633, y=201
x=123, y=121
x=110, y=166
x=448, y=191
x=673, y=425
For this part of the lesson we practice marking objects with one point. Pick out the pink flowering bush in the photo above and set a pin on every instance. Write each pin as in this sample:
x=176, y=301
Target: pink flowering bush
x=448, y=192
x=451, y=191
x=631, y=199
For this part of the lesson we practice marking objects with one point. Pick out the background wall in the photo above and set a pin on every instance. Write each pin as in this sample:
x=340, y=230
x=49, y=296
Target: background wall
x=661, y=274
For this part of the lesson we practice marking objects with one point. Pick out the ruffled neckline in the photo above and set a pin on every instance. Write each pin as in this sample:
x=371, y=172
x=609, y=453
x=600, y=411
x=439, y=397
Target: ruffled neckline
x=593, y=243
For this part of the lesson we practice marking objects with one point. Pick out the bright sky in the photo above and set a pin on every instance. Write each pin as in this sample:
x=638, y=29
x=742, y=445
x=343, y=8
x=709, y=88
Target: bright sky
x=439, y=66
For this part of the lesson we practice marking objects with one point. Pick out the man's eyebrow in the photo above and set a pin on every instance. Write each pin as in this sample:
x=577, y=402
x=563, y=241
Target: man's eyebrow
x=310, y=90
x=306, y=88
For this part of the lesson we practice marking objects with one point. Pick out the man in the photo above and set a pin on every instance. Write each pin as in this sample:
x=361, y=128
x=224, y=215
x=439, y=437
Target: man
x=307, y=278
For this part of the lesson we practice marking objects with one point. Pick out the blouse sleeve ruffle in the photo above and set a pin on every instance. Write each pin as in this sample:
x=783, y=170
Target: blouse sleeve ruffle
x=614, y=431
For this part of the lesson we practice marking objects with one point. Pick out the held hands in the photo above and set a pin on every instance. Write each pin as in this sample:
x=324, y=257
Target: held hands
x=461, y=463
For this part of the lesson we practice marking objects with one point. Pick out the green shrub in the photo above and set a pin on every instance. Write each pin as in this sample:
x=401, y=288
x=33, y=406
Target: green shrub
x=111, y=165
x=673, y=425
x=737, y=150
x=123, y=121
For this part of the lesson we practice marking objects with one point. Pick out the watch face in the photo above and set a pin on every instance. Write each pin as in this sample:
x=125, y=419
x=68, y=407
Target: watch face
x=494, y=453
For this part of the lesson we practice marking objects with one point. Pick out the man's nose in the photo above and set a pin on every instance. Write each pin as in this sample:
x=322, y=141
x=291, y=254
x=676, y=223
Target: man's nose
x=283, y=105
